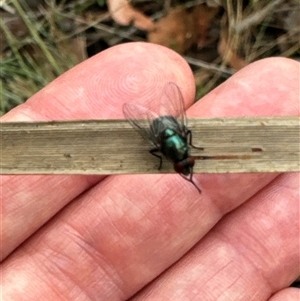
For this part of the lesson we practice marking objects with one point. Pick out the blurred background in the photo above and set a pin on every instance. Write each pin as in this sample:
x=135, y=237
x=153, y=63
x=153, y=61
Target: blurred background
x=40, y=40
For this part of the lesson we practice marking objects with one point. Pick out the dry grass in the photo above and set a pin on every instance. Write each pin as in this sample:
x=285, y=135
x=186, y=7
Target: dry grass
x=36, y=40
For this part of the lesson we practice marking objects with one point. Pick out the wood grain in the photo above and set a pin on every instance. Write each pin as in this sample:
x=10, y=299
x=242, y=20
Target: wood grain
x=114, y=147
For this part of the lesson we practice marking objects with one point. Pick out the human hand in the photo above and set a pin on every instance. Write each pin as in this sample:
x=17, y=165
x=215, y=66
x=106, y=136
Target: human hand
x=106, y=238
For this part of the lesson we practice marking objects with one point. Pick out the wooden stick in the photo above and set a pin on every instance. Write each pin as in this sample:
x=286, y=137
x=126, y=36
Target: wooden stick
x=231, y=145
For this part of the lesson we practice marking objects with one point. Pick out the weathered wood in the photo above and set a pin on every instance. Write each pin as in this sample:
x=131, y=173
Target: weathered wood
x=113, y=147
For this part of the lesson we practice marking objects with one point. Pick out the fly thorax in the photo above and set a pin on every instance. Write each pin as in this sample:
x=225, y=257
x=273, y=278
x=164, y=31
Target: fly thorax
x=169, y=133
x=174, y=147
x=161, y=124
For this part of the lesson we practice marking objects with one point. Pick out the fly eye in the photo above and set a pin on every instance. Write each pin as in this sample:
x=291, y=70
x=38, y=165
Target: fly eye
x=190, y=161
x=179, y=167
x=184, y=165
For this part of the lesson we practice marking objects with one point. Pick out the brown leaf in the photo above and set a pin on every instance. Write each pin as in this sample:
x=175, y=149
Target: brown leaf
x=182, y=28
x=124, y=14
x=228, y=54
x=204, y=16
x=76, y=46
x=15, y=25
x=176, y=30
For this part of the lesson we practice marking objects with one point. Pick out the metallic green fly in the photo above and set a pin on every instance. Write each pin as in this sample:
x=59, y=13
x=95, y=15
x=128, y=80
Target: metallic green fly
x=163, y=122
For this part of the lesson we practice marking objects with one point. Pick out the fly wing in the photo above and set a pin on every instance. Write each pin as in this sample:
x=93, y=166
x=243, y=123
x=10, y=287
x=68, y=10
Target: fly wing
x=172, y=104
x=140, y=119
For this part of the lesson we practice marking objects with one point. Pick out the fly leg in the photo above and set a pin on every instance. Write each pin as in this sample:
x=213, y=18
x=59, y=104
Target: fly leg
x=154, y=152
x=190, y=179
x=189, y=134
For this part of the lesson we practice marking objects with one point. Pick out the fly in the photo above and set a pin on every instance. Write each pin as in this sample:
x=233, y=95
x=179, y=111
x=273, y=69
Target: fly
x=163, y=122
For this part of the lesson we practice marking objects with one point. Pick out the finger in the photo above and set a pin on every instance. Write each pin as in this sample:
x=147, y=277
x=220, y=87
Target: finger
x=291, y=294
x=98, y=87
x=127, y=230
x=218, y=268
x=268, y=87
x=95, y=89
x=251, y=254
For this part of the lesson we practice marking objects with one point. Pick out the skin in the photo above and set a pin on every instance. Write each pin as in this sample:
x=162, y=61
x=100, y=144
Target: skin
x=153, y=237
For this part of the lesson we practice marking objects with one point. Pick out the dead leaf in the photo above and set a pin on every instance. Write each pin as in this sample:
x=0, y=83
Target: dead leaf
x=124, y=14
x=182, y=27
x=228, y=54
x=76, y=46
x=176, y=30
x=16, y=27
x=204, y=16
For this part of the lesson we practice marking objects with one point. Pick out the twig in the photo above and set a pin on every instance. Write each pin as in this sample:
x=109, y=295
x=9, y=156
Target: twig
x=208, y=66
x=256, y=17
x=113, y=147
